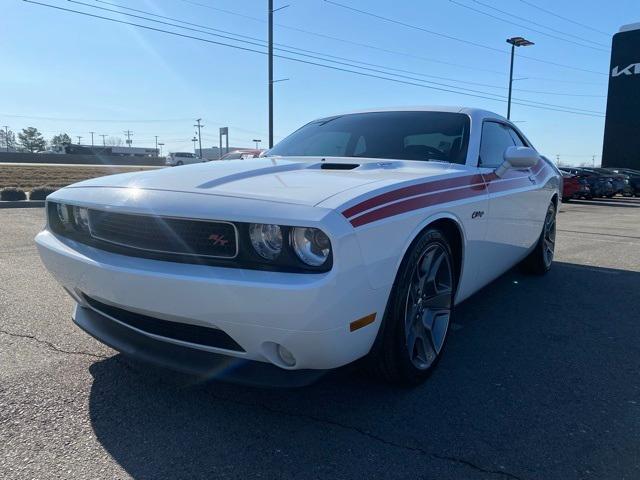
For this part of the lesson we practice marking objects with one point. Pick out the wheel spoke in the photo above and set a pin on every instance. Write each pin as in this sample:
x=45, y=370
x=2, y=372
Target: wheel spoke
x=441, y=300
x=440, y=325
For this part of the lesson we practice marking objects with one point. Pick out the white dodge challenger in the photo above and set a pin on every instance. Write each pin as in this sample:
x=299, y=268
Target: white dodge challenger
x=353, y=238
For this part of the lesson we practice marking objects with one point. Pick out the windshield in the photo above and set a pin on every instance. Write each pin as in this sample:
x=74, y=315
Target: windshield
x=423, y=136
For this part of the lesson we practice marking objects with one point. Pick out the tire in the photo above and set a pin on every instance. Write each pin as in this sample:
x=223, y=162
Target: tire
x=180, y=162
x=541, y=257
x=415, y=316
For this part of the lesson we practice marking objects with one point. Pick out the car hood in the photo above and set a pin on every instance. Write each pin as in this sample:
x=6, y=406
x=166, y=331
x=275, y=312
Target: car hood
x=302, y=180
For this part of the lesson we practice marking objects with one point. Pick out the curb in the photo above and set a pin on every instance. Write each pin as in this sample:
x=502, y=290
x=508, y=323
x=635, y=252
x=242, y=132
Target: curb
x=22, y=204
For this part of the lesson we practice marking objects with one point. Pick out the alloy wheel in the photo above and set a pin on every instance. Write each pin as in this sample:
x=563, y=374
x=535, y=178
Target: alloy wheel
x=549, y=237
x=428, y=306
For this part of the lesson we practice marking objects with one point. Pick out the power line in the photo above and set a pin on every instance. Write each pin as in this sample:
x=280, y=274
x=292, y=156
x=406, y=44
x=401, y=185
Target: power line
x=331, y=67
x=468, y=7
x=261, y=43
x=289, y=49
x=320, y=35
x=378, y=48
x=457, y=39
x=549, y=12
x=35, y=117
x=539, y=24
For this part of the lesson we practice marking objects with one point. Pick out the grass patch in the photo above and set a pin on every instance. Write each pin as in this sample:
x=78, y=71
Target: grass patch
x=28, y=177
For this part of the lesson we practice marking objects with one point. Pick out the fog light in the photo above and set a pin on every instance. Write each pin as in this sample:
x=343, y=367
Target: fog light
x=286, y=356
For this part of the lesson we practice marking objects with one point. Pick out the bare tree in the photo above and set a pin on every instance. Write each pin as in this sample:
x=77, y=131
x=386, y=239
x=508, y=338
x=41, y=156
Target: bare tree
x=7, y=140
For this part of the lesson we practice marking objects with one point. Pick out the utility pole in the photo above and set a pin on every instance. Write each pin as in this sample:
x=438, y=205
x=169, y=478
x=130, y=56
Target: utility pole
x=160, y=145
x=199, y=125
x=6, y=137
x=558, y=159
x=157, y=153
x=92, y=138
x=104, y=142
x=257, y=140
x=128, y=133
x=514, y=42
x=593, y=161
x=79, y=138
x=270, y=73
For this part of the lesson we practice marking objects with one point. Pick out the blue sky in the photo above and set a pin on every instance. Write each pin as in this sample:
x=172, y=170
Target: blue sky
x=66, y=72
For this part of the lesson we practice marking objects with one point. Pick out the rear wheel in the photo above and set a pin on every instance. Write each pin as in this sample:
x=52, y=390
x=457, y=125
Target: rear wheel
x=540, y=259
x=180, y=162
x=414, y=330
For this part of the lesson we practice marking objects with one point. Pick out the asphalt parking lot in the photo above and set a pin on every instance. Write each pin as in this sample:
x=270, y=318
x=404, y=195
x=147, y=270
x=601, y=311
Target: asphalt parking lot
x=540, y=380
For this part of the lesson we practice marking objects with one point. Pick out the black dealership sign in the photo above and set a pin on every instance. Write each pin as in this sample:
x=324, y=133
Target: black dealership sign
x=622, y=126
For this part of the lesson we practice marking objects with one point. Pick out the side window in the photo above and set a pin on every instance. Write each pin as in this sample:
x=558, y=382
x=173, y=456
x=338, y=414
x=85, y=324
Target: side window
x=495, y=140
x=516, y=137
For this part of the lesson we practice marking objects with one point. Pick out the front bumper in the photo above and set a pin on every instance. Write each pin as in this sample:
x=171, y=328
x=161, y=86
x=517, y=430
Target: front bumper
x=206, y=365
x=308, y=314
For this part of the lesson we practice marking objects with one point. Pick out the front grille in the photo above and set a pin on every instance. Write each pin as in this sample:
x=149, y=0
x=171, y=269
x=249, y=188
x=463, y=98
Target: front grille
x=210, y=337
x=201, y=238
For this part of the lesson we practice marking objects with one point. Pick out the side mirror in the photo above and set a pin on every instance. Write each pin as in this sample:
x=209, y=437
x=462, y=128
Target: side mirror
x=517, y=157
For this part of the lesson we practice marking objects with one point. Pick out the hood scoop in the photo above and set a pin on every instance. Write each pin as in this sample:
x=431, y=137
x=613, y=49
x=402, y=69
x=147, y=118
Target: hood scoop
x=338, y=166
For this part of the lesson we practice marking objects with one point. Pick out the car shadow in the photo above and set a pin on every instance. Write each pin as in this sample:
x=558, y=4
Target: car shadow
x=539, y=380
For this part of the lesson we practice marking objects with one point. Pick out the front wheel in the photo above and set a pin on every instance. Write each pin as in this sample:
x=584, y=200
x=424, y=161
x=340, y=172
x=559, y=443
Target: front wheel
x=540, y=259
x=414, y=329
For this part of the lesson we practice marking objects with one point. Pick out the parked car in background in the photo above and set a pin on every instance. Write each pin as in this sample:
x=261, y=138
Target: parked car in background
x=241, y=154
x=182, y=158
x=574, y=187
x=632, y=180
x=620, y=181
x=599, y=184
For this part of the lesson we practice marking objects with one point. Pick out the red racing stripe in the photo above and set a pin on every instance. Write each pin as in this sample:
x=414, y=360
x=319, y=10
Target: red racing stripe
x=415, y=204
x=412, y=190
x=473, y=186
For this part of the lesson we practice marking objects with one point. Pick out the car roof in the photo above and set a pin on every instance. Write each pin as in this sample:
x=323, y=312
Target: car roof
x=473, y=112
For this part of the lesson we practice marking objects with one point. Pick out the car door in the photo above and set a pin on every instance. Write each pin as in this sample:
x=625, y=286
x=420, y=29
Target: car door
x=515, y=216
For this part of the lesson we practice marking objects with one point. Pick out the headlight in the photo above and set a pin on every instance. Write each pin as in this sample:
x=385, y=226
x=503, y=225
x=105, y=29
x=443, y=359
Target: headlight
x=266, y=239
x=311, y=245
x=81, y=218
x=63, y=214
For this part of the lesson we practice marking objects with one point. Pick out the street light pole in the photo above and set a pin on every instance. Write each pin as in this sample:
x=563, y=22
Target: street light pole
x=104, y=142
x=257, y=141
x=157, y=154
x=515, y=42
x=513, y=49
x=79, y=138
x=92, y=138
